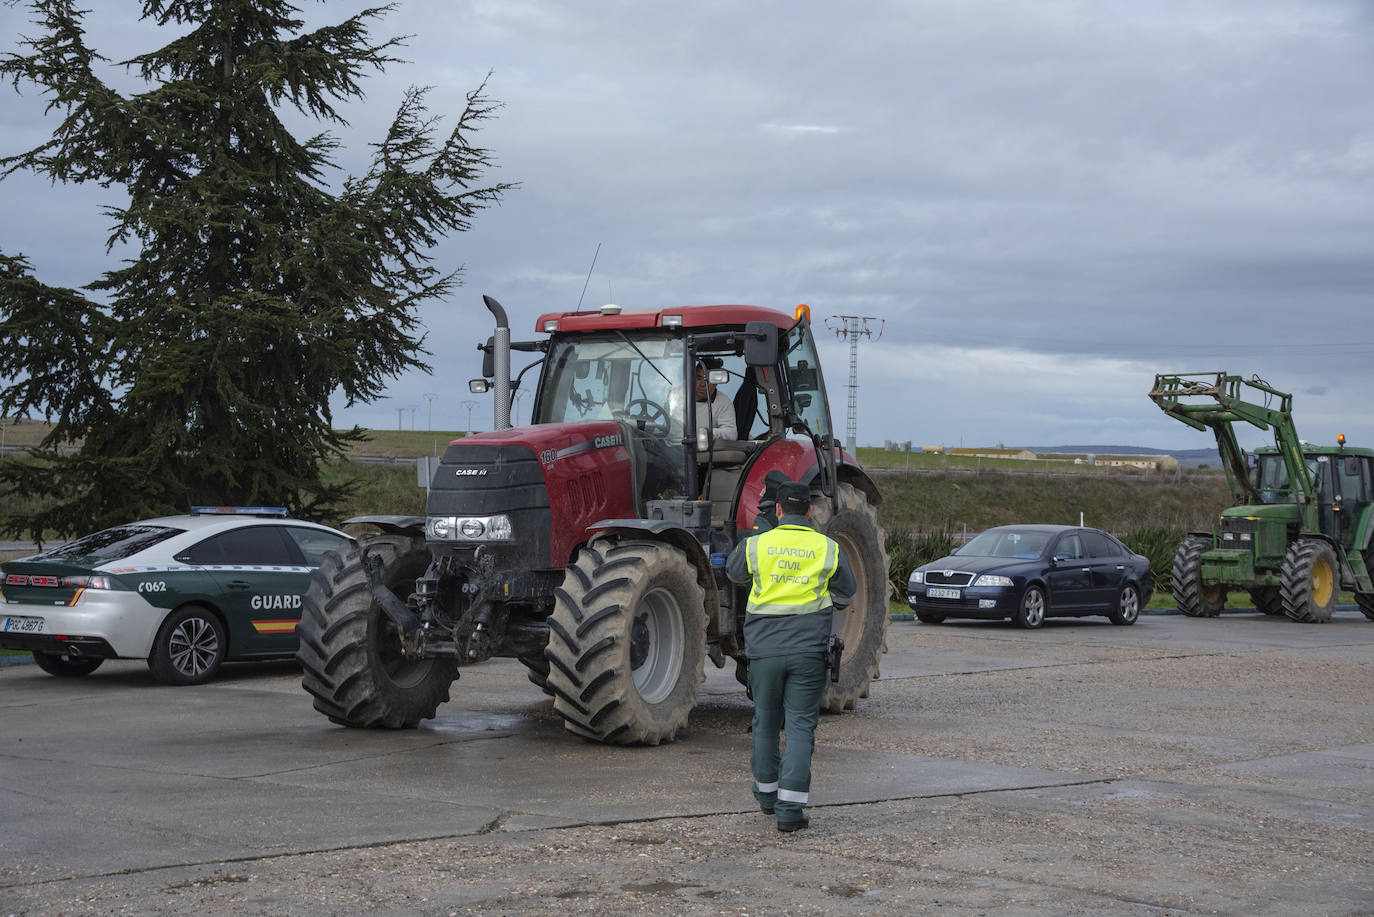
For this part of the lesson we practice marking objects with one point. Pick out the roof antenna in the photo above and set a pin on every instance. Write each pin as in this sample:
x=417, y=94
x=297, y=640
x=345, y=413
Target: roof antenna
x=589, y=278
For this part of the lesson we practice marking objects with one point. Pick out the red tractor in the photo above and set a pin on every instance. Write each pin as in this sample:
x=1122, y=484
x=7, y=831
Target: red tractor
x=591, y=544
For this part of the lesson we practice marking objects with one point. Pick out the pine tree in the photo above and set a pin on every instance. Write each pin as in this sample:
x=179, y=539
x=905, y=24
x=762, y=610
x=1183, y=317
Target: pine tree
x=201, y=370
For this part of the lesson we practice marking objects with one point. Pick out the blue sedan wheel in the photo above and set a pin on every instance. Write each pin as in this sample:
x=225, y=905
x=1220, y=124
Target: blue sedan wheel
x=1127, y=606
x=1031, y=614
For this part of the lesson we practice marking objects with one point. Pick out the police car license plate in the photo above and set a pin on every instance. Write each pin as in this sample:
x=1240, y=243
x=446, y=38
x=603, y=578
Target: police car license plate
x=935, y=592
x=17, y=625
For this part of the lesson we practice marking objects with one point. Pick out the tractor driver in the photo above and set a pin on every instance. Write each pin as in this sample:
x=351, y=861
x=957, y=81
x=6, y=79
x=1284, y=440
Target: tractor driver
x=797, y=576
x=714, y=408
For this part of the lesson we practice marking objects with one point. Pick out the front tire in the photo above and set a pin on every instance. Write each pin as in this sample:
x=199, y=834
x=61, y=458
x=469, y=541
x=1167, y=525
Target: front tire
x=351, y=651
x=863, y=625
x=627, y=643
x=1366, y=602
x=1311, y=581
x=1127, y=610
x=64, y=665
x=1031, y=612
x=1192, y=597
x=1268, y=599
x=189, y=647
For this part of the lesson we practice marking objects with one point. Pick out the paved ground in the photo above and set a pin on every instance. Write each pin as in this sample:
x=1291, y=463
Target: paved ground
x=1176, y=767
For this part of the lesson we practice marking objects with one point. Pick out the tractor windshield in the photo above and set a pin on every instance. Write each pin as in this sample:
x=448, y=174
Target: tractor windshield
x=611, y=377
x=1272, y=478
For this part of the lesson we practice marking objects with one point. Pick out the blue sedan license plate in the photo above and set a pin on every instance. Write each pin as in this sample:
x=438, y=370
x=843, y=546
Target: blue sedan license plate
x=935, y=592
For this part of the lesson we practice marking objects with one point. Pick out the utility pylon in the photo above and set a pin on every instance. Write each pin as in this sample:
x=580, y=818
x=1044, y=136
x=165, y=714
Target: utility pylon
x=854, y=327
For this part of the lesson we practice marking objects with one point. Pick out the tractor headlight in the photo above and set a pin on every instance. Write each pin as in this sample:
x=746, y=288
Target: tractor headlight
x=469, y=528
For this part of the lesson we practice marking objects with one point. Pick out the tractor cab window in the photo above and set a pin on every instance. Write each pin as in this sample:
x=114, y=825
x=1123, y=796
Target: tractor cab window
x=804, y=382
x=1272, y=479
x=611, y=377
x=1350, y=473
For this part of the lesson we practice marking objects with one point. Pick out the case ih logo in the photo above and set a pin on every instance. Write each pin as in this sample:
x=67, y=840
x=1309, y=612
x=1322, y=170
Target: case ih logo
x=466, y=471
x=19, y=579
x=605, y=442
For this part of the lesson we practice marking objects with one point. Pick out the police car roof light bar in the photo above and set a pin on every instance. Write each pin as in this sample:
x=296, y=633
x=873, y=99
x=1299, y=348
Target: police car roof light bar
x=239, y=510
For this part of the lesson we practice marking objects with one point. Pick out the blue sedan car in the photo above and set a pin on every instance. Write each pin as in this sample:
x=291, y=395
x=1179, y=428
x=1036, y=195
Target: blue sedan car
x=1031, y=572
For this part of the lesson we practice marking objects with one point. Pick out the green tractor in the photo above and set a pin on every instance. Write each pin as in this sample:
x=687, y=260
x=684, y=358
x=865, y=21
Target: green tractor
x=1300, y=530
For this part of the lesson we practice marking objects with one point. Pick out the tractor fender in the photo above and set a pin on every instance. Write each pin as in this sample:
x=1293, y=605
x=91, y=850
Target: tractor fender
x=797, y=460
x=391, y=525
x=673, y=534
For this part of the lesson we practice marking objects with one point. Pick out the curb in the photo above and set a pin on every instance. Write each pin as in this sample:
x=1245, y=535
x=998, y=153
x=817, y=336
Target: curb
x=16, y=660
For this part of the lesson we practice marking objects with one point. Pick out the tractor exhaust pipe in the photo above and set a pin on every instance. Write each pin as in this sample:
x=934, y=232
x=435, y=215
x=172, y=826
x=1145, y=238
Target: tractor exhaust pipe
x=501, y=362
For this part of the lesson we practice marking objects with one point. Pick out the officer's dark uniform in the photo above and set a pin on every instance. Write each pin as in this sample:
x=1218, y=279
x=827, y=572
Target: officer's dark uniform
x=797, y=576
x=767, y=515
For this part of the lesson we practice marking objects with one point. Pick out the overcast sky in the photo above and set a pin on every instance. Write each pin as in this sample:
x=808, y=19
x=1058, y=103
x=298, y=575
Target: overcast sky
x=1047, y=202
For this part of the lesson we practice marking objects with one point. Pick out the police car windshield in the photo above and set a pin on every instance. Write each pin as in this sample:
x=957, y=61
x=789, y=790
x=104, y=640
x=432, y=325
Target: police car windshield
x=114, y=544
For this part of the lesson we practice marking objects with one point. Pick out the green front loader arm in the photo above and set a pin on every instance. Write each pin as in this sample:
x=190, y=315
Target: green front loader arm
x=1223, y=406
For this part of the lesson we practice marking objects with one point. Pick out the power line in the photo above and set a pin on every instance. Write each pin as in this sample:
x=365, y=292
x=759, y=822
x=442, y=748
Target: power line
x=854, y=327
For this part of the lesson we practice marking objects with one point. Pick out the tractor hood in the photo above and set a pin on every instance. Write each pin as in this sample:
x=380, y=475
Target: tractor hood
x=1266, y=512
x=549, y=442
x=551, y=480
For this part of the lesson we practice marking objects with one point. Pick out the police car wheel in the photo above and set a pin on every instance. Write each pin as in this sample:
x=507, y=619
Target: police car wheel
x=189, y=647
x=64, y=666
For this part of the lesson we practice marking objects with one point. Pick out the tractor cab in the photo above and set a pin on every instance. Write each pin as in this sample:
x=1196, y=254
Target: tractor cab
x=697, y=393
x=1342, y=486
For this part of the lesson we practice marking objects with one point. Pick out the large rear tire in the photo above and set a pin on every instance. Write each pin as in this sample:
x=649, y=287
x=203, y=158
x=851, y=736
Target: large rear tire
x=1190, y=595
x=627, y=643
x=351, y=651
x=1311, y=581
x=863, y=625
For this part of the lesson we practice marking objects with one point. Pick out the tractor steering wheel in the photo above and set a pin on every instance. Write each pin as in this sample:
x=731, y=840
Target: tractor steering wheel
x=646, y=415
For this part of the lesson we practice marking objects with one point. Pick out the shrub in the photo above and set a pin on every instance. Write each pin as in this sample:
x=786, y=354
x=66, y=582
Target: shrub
x=908, y=550
x=1159, y=545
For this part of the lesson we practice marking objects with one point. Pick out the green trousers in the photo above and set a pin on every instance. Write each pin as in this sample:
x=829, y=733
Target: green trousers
x=787, y=696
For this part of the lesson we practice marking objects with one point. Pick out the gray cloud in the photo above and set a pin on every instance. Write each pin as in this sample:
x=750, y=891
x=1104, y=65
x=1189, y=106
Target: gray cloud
x=1048, y=202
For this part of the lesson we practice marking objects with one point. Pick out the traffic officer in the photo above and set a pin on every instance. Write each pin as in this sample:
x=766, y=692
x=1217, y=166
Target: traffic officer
x=797, y=576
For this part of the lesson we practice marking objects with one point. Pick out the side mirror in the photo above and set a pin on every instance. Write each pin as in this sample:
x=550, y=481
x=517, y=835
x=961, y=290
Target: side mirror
x=760, y=343
x=488, y=358
x=1058, y=559
x=479, y=386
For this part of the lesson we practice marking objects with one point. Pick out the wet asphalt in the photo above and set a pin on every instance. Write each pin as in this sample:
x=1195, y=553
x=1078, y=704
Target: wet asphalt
x=1178, y=766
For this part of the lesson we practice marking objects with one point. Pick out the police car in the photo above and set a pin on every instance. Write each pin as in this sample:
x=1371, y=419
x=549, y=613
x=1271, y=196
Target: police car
x=183, y=592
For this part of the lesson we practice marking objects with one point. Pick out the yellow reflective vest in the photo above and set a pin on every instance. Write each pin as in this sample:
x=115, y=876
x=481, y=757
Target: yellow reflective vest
x=791, y=567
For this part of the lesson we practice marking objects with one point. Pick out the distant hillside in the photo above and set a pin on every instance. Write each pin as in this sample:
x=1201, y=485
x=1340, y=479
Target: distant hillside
x=1190, y=457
